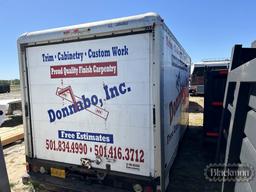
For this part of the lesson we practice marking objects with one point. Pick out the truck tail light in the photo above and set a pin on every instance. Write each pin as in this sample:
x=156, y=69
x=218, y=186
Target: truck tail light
x=35, y=168
x=27, y=167
x=148, y=189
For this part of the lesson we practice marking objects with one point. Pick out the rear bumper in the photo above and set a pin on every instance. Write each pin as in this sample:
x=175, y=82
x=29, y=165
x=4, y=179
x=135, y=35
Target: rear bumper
x=56, y=184
x=84, y=180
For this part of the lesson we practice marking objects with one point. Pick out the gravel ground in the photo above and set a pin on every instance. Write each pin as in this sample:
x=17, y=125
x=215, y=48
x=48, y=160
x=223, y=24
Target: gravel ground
x=15, y=163
x=186, y=174
x=12, y=95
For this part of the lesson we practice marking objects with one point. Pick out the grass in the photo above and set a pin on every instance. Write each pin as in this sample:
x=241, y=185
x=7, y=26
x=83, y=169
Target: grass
x=12, y=185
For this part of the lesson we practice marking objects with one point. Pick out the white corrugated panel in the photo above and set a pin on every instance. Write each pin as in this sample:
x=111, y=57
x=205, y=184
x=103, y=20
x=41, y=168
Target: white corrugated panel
x=252, y=102
x=250, y=129
x=242, y=187
x=248, y=155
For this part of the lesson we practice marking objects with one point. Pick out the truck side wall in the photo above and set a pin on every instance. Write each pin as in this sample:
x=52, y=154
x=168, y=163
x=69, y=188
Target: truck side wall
x=25, y=101
x=174, y=97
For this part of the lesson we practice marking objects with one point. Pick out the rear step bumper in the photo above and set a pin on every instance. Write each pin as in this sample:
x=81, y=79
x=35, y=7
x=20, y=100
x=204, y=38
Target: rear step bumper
x=79, y=179
x=56, y=184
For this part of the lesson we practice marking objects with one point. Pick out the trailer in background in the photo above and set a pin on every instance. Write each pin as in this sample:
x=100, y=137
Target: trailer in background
x=215, y=84
x=106, y=104
x=5, y=88
x=198, y=72
x=9, y=107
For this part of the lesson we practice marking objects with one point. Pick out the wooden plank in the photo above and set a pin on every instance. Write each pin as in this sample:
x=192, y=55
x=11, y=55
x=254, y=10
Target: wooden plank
x=12, y=138
x=11, y=134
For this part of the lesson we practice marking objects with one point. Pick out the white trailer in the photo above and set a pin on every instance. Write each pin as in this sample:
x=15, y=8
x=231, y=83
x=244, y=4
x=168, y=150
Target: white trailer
x=105, y=103
x=8, y=107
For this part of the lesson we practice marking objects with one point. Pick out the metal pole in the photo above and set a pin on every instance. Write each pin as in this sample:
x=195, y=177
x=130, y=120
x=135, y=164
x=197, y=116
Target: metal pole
x=4, y=182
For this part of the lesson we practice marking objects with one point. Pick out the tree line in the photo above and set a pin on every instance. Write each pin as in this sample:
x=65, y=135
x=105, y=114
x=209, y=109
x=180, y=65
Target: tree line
x=10, y=82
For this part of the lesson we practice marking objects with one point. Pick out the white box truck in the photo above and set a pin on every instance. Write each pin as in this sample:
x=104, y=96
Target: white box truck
x=106, y=104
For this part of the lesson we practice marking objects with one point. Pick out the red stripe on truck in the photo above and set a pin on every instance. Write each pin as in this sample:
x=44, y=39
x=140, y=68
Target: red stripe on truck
x=212, y=134
x=217, y=104
x=102, y=69
x=223, y=72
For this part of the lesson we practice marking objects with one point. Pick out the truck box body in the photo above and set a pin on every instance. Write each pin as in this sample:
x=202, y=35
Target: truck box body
x=108, y=96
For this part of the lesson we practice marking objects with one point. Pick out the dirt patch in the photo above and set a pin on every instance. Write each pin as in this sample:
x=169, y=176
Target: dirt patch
x=16, y=166
x=196, y=109
x=15, y=94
